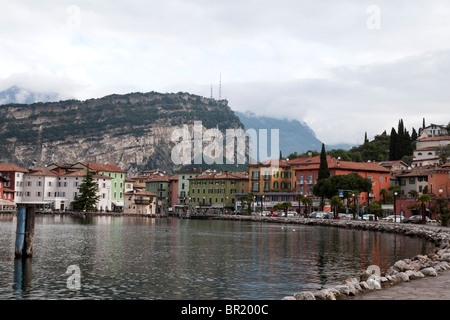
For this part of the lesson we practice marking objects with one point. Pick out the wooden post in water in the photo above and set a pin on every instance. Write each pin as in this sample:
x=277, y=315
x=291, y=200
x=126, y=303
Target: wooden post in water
x=20, y=231
x=29, y=231
x=25, y=231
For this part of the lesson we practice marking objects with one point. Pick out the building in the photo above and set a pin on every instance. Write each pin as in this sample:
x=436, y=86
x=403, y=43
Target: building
x=6, y=197
x=307, y=174
x=117, y=183
x=434, y=130
x=159, y=184
x=429, y=150
x=272, y=182
x=183, y=183
x=14, y=179
x=217, y=190
x=56, y=189
x=439, y=181
x=414, y=180
x=138, y=200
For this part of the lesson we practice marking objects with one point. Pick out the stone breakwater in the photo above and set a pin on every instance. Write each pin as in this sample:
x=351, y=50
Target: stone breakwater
x=404, y=270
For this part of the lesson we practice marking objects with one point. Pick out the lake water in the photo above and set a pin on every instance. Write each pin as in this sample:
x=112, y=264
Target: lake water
x=174, y=259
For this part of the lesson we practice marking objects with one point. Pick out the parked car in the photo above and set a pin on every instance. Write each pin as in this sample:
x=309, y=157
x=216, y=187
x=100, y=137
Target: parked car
x=394, y=218
x=290, y=214
x=344, y=216
x=320, y=215
x=368, y=217
x=312, y=215
x=413, y=219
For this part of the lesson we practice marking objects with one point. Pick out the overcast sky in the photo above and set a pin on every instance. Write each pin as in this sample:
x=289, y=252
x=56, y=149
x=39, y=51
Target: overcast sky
x=343, y=67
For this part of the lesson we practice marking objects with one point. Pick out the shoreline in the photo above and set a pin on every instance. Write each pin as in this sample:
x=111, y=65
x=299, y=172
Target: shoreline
x=405, y=270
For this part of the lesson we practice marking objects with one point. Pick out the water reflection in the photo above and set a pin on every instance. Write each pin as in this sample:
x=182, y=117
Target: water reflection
x=143, y=258
x=22, y=277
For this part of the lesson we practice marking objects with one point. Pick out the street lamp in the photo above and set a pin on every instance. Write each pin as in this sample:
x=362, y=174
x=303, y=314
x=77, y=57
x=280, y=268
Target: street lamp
x=262, y=204
x=395, y=200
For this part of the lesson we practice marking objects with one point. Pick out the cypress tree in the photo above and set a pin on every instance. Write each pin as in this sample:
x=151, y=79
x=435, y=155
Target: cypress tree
x=324, y=171
x=393, y=154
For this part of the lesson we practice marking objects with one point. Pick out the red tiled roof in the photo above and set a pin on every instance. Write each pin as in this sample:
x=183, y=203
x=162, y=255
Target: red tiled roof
x=41, y=172
x=222, y=175
x=436, y=138
x=268, y=163
x=83, y=173
x=103, y=167
x=11, y=167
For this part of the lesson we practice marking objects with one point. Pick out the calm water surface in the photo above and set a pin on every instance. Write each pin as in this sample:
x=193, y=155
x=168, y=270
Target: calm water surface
x=170, y=258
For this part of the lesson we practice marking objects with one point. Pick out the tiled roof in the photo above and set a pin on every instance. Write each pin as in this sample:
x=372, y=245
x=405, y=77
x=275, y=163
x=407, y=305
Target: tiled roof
x=268, y=163
x=11, y=167
x=41, y=172
x=102, y=167
x=222, y=175
x=415, y=172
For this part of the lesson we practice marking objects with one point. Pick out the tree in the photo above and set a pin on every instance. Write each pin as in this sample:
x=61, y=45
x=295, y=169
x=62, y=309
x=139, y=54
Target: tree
x=413, y=193
x=393, y=154
x=384, y=193
x=335, y=203
x=423, y=200
x=442, y=211
x=247, y=201
x=88, y=198
x=324, y=171
x=375, y=209
x=306, y=202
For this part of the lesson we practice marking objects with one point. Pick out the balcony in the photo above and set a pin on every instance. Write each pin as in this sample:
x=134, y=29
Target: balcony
x=255, y=178
x=266, y=177
x=142, y=201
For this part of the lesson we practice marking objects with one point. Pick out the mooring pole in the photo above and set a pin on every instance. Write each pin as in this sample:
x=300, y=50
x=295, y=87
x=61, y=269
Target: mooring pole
x=20, y=231
x=29, y=230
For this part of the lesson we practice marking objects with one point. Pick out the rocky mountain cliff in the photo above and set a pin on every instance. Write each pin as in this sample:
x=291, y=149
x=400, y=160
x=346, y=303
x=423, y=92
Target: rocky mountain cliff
x=132, y=131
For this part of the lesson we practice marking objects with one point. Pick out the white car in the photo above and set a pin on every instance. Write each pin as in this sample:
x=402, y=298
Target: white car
x=394, y=218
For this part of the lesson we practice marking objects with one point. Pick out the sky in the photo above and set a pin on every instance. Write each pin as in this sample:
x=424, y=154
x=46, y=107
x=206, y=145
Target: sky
x=344, y=67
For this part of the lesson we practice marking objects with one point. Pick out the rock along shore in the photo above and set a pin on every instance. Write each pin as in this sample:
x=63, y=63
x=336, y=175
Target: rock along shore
x=404, y=270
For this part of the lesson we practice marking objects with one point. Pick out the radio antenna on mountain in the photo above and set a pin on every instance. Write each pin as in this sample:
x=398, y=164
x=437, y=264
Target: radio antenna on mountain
x=220, y=86
x=212, y=92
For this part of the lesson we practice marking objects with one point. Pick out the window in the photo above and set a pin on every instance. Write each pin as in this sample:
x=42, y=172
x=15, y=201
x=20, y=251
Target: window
x=412, y=180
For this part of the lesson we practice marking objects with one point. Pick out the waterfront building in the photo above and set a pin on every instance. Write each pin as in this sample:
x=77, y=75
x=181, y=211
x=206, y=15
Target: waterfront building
x=138, y=200
x=272, y=182
x=14, y=179
x=217, y=190
x=439, y=181
x=184, y=177
x=158, y=183
x=117, y=183
x=6, y=197
x=56, y=189
x=307, y=174
x=414, y=180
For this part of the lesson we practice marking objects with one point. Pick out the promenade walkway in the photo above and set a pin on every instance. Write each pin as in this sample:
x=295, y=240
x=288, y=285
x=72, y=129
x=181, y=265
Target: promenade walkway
x=428, y=288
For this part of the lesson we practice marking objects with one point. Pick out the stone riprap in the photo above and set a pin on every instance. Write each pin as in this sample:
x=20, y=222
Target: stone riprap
x=404, y=270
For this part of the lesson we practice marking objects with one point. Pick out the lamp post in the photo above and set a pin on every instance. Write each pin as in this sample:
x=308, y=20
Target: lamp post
x=262, y=204
x=395, y=200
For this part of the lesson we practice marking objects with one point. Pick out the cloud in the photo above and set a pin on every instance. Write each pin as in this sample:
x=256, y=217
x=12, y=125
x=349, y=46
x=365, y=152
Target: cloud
x=316, y=62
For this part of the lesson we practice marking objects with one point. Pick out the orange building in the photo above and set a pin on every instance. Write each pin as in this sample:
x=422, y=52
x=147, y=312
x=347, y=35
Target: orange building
x=307, y=172
x=439, y=181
